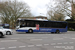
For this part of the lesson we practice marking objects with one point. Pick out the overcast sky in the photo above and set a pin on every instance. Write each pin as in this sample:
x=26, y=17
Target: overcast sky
x=38, y=7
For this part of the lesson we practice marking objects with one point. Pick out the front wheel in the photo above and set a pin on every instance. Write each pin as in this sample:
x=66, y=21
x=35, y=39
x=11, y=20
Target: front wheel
x=1, y=35
x=30, y=31
x=8, y=33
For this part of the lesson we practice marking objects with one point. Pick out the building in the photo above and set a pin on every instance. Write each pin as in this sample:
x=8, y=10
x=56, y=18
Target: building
x=37, y=17
x=40, y=17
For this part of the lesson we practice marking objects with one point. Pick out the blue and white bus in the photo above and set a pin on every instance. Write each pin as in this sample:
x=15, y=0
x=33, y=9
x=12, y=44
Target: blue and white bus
x=30, y=26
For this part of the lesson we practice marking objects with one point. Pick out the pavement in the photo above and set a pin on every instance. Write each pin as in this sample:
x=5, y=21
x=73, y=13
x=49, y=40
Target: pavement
x=38, y=41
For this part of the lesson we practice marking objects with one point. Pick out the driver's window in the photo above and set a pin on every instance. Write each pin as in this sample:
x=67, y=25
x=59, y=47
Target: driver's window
x=23, y=24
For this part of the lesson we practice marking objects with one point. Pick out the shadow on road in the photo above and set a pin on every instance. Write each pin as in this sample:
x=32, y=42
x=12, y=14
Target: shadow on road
x=38, y=33
x=32, y=33
x=2, y=37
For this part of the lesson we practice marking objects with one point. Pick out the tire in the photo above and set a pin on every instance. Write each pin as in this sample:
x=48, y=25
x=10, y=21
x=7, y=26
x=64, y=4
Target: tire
x=26, y=32
x=30, y=31
x=52, y=32
x=8, y=33
x=57, y=31
x=1, y=35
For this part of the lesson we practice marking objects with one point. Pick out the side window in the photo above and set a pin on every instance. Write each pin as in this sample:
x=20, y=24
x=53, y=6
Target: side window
x=36, y=22
x=57, y=25
x=64, y=25
x=47, y=24
x=42, y=24
x=30, y=24
x=60, y=25
x=53, y=24
x=23, y=24
x=50, y=24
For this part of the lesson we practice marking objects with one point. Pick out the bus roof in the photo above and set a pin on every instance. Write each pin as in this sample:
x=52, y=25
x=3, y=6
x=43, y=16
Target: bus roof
x=40, y=20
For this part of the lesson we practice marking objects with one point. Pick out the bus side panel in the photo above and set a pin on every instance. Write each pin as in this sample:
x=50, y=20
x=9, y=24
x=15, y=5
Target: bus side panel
x=44, y=30
x=25, y=29
x=22, y=30
x=36, y=30
x=60, y=30
x=51, y=30
x=65, y=29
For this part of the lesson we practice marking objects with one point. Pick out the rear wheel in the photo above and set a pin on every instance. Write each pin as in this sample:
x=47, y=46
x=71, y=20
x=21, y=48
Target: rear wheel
x=30, y=31
x=57, y=31
x=52, y=32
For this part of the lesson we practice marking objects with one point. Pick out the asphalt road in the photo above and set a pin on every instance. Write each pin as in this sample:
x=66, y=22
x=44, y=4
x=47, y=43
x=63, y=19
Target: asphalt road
x=38, y=41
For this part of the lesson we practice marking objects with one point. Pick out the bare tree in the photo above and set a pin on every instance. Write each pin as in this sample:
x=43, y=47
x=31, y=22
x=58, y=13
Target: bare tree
x=58, y=9
x=13, y=10
x=57, y=17
x=72, y=2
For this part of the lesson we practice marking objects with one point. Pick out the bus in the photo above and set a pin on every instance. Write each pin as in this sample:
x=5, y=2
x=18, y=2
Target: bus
x=31, y=25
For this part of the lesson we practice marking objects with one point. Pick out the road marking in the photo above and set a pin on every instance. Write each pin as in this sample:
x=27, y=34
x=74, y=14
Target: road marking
x=65, y=37
x=12, y=47
x=8, y=40
x=64, y=47
x=30, y=37
x=65, y=43
x=57, y=47
x=39, y=45
x=58, y=39
x=71, y=42
x=53, y=44
x=35, y=39
x=21, y=46
x=2, y=48
x=59, y=43
x=14, y=38
x=30, y=45
x=69, y=47
x=46, y=44
x=73, y=38
x=44, y=37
